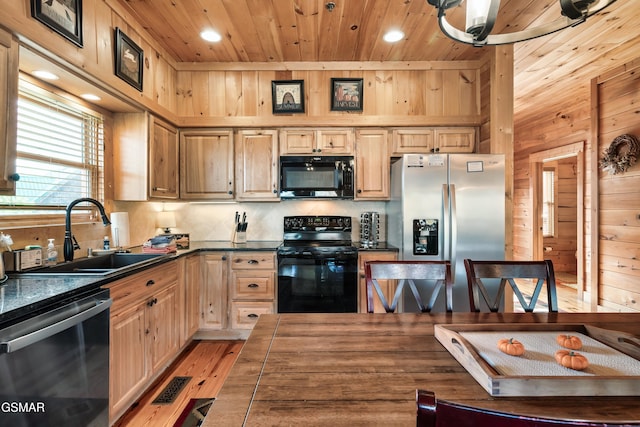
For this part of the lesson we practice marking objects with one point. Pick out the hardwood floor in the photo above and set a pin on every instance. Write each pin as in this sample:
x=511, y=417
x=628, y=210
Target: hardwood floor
x=207, y=362
x=566, y=291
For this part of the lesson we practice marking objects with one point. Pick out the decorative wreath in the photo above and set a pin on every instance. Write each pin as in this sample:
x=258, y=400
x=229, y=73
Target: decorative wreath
x=621, y=154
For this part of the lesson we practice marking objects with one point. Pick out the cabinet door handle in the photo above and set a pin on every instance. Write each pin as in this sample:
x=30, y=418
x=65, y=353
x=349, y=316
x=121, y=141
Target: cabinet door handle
x=14, y=177
x=150, y=282
x=224, y=257
x=160, y=189
x=253, y=261
x=252, y=315
x=253, y=285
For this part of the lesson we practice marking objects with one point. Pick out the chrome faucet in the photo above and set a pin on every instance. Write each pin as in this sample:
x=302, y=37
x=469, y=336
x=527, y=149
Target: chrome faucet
x=70, y=242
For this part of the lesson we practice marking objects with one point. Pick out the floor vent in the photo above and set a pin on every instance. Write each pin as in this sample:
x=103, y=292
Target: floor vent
x=171, y=391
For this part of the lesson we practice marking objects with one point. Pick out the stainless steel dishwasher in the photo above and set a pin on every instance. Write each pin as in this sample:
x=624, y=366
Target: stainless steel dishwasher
x=54, y=366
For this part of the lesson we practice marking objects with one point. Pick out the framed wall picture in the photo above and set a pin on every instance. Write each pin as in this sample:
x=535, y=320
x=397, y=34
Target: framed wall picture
x=129, y=60
x=62, y=16
x=346, y=94
x=287, y=96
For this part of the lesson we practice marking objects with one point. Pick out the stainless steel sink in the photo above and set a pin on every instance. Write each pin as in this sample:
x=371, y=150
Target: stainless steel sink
x=103, y=265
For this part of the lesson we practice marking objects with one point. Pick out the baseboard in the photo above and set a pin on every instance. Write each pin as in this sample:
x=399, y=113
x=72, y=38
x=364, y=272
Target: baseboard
x=222, y=335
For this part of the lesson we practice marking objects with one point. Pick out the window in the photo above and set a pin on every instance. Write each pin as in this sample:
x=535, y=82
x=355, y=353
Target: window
x=548, y=202
x=60, y=153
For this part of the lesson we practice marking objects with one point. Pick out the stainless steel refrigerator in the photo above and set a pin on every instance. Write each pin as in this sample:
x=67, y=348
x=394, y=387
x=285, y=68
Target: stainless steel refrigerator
x=447, y=207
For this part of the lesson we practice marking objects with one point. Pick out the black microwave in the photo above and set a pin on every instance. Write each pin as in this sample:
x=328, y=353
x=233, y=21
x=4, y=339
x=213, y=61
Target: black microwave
x=316, y=177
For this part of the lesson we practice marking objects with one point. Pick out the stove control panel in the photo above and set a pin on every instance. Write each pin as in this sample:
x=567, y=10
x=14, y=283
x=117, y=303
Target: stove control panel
x=317, y=223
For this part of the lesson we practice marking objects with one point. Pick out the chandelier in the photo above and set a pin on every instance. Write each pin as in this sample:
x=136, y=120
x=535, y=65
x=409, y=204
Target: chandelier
x=481, y=17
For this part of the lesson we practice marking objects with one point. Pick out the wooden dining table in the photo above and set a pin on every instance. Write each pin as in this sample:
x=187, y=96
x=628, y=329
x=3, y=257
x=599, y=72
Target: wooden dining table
x=364, y=369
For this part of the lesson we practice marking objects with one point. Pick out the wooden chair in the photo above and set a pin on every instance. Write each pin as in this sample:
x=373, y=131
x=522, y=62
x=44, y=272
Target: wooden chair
x=508, y=272
x=442, y=413
x=405, y=272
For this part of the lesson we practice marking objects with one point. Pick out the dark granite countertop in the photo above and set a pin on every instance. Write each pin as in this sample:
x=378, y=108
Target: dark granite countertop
x=20, y=296
x=380, y=246
x=220, y=245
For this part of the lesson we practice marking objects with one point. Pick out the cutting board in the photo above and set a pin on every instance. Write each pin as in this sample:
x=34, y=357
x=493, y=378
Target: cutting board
x=614, y=359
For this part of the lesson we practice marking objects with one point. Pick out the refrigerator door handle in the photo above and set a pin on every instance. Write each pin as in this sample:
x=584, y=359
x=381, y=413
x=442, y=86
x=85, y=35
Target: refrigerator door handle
x=454, y=229
x=446, y=254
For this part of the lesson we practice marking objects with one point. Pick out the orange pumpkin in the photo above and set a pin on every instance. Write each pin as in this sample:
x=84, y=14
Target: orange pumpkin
x=511, y=346
x=569, y=341
x=572, y=360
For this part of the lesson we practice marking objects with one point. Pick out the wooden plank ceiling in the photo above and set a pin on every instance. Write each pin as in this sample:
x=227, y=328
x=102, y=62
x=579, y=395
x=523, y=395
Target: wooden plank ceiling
x=306, y=30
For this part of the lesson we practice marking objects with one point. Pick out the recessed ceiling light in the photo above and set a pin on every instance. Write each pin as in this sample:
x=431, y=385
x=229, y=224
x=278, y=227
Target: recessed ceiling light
x=90, y=97
x=211, y=36
x=47, y=75
x=393, y=36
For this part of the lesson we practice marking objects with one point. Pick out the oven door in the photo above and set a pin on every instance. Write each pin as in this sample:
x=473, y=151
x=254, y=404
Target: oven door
x=312, y=283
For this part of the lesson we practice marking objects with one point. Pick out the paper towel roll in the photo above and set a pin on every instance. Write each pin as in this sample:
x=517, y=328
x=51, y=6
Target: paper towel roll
x=120, y=229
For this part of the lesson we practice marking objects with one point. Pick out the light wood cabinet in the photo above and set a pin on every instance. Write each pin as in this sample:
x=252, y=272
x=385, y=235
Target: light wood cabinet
x=163, y=327
x=257, y=165
x=414, y=140
x=145, y=330
x=331, y=141
x=455, y=140
x=8, y=112
x=191, y=282
x=206, y=164
x=128, y=361
x=145, y=156
x=388, y=286
x=213, y=291
x=245, y=314
x=372, y=164
x=433, y=140
x=163, y=160
x=253, y=279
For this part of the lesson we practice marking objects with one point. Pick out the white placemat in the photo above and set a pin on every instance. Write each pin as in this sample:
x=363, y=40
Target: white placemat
x=538, y=358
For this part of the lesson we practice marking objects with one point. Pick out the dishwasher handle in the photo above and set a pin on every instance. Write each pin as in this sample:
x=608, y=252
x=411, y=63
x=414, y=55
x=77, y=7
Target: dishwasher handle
x=26, y=340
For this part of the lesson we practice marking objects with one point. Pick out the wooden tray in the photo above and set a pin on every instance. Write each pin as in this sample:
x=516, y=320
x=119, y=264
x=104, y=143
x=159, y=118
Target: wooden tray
x=614, y=358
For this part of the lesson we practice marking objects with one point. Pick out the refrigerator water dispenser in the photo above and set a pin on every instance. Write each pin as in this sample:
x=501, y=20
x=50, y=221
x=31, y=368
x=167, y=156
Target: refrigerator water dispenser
x=425, y=237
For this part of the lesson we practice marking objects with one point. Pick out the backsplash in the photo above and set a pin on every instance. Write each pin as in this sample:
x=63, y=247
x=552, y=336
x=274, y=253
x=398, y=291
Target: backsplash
x=203, y=221
x=214, y=221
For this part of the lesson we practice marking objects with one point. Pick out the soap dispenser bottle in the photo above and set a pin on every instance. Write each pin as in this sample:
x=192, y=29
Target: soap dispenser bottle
x=52, y=253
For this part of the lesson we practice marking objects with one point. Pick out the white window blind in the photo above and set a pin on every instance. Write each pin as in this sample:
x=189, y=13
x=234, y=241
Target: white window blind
x=60, y=153
x=548, y=203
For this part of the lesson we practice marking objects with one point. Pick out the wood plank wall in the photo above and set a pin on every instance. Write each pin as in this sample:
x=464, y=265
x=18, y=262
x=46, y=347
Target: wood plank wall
x=428, y=94
x=618, y=94
x=565, y=118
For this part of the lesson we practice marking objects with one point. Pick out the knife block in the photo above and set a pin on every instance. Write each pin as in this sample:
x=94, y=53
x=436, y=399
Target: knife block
x=239, y=236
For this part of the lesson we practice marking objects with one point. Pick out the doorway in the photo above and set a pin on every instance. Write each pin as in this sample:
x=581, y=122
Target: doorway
x=557, y=200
